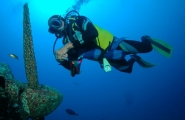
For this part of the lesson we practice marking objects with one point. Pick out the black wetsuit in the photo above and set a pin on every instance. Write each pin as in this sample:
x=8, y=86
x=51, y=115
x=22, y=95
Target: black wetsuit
x=89, y=34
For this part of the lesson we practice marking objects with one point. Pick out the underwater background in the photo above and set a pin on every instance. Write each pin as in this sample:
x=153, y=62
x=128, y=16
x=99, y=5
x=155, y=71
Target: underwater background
x=157, y=93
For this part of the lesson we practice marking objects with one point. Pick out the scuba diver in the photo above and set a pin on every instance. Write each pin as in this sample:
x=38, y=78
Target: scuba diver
x=84, y=40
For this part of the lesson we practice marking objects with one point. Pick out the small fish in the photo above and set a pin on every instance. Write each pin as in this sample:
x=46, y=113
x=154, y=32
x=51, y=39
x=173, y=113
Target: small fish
x=71, y=112
x=13, y=56
x=76, y=84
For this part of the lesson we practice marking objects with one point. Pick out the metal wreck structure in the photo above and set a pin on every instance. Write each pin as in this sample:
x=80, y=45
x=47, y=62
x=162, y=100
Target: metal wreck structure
x=26, y=100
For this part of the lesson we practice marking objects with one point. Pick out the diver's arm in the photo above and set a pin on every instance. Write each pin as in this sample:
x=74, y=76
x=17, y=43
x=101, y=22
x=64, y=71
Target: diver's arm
x=86, y=34
x=89, y=32
x=62, y=53
x=69, y=46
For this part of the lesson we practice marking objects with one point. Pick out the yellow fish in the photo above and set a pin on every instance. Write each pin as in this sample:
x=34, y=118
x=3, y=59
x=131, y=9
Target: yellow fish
x=13, y=56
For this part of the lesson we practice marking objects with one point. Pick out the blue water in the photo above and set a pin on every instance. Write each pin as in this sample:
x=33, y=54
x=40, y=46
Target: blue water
x=157, y=93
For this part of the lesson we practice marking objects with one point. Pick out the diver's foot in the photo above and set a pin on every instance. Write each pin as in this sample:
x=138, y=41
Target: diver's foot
x=146, y=39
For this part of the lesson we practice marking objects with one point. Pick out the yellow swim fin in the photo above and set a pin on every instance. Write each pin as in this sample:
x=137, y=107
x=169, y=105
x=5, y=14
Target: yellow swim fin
x=162, y=47
x=142, y=62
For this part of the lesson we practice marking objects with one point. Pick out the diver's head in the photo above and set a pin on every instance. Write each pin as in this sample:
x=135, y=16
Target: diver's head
x=56, y=25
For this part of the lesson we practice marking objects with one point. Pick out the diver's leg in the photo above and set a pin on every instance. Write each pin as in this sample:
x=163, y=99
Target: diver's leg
x=133, y=47
x=123, y=65
x=131, y=62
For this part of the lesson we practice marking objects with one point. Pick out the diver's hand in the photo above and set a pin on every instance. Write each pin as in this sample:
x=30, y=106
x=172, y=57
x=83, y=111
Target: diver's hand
x=61, y=54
